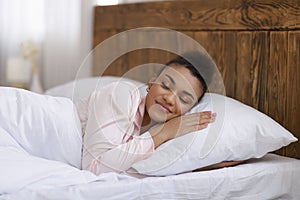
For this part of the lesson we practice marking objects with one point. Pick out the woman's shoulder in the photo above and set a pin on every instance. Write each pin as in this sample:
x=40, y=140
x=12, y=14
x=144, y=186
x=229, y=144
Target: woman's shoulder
x=117, y=87
x=120, y=90
x=121, y=96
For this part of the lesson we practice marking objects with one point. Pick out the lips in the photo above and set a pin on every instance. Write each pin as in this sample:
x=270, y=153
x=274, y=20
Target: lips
x=163, y=106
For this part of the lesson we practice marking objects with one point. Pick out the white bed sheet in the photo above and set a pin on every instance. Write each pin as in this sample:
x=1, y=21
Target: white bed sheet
x=270, y=177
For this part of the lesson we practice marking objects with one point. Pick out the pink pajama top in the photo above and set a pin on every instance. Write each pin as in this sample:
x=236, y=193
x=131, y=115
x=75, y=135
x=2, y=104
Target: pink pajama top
x=111, y=119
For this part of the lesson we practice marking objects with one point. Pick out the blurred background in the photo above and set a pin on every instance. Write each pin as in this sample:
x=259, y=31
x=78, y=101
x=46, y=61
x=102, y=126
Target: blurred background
x=46, y=40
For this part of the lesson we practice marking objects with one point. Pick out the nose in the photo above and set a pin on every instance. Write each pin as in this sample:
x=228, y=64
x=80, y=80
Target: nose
x=170, y=98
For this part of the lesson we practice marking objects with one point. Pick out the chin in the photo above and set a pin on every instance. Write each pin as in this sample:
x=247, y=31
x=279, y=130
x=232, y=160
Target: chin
x=158, y=117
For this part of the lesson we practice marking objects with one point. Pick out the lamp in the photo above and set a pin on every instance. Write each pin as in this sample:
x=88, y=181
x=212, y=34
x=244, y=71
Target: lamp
x=18, y=72
x=30, y=51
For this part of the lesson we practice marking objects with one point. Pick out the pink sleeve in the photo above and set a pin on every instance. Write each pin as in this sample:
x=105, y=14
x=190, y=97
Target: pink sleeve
x=122, y=157
x=111, y=141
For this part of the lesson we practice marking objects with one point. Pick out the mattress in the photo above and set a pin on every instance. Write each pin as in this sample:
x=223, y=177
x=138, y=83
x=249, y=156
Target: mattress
x=269, y=177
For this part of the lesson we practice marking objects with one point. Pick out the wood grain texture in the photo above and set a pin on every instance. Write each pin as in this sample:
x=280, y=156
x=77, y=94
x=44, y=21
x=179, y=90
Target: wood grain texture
x=277, y=78
x=244, y=68
x=292, y=107
x=254, y=43
x=277, y=75
x=260, y=61
x=229, y=62
x=202, y=15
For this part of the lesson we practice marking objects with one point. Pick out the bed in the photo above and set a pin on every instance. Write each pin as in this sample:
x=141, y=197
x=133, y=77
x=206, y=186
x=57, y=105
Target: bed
x=259, y=64
x=248, y=181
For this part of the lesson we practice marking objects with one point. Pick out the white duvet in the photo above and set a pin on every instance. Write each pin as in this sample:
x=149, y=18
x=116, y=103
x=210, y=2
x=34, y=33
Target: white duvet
x=40, y=141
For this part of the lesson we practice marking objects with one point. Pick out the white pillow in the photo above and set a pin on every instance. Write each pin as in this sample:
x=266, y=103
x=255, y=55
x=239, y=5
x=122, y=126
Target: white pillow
x=82, y=88
x=240, y=132
x=44, y=126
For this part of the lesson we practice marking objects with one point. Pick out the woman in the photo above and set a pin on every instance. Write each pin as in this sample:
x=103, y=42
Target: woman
x=114, y=117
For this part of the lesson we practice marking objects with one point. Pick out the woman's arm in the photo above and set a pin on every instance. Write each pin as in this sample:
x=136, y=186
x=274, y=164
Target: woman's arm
x=122, y=157
x=111, y=141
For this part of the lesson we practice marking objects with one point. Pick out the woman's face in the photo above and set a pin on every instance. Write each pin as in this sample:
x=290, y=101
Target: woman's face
x=172, y=93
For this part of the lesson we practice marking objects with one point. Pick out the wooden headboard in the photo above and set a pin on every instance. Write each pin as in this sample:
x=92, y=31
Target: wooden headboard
x=254, y=43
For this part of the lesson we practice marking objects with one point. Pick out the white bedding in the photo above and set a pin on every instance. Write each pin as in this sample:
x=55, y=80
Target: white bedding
x=26, y=173
x=270, y=177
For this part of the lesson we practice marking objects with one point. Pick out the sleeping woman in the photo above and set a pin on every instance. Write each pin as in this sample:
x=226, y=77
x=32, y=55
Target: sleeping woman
x=121, y=127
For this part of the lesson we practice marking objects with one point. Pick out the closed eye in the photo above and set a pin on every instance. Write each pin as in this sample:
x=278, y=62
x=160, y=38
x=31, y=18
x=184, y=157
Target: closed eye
x=183, y=101
x=165, y=86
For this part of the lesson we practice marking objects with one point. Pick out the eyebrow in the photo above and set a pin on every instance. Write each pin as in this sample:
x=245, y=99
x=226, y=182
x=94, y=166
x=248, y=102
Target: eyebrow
x=171, y=79
x=173, y=82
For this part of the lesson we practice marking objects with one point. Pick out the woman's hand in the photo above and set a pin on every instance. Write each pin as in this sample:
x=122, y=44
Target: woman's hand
x=181, y=125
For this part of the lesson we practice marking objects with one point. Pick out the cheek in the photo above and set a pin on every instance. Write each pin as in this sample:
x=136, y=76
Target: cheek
x=182, y=108
x=149, y=101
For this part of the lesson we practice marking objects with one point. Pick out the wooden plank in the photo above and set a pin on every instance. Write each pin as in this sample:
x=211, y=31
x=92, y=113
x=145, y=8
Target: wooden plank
x=201, y=15
x=244, y=67
x=212, y=42
x=292, y=108
x=260, y=63
x=230, y=57
x=149, y=61
x=102, y=35
x=277, y=77
x=136, y=61
x=99, y=37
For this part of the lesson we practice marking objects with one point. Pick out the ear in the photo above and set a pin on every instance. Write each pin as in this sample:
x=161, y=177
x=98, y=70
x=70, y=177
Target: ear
x=149, y=85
